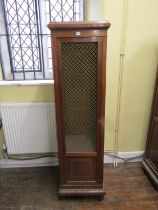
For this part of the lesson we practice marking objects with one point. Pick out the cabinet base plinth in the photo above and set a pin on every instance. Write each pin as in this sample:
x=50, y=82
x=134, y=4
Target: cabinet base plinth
x=99, y=193
x=149, y=171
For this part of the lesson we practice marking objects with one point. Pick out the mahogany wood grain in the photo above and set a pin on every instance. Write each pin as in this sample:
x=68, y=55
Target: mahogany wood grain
x=81, y=173
x=83, y=33
x=79, y=25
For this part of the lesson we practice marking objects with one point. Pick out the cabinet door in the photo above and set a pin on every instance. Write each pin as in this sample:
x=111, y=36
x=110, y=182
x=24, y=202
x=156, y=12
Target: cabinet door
x=80, y=83
x=79, y=75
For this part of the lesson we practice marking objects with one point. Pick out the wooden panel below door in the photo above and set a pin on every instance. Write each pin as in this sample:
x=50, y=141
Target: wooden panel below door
x=80, y=169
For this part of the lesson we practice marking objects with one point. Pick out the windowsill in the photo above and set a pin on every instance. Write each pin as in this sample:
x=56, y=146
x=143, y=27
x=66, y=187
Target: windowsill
x=27, y=82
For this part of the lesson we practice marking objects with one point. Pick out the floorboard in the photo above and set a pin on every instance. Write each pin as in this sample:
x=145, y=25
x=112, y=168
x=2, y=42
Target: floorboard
x=127, y=188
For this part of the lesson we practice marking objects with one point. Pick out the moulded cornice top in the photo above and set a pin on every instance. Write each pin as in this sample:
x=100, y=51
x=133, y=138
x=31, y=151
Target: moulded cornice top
x=102, y=25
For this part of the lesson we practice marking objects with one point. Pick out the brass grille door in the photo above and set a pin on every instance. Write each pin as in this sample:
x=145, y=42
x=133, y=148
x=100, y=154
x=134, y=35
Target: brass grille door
x=79, y=87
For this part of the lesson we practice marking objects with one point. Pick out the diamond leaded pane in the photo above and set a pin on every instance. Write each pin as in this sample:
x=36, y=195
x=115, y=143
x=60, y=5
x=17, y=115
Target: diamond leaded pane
x=21, y=20
x=79, y=86
x=63, y=10
x=60, y=10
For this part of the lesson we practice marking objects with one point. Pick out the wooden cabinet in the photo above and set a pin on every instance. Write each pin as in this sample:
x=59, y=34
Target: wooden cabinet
x=79, y=59
x=150, y=162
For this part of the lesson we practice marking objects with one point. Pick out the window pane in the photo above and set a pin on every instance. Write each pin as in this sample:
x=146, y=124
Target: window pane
x=28, y=38
x=62, y=10
x=23, y=40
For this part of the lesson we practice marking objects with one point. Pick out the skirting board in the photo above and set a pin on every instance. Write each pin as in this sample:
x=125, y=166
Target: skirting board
x=7, y=163
x=47, y=161
x=125, y=155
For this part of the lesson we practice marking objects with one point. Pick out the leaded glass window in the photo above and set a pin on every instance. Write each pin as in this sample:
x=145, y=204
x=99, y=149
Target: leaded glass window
x=25, y=45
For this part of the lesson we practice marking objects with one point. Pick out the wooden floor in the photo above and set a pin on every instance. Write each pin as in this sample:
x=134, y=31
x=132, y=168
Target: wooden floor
x=36, y=189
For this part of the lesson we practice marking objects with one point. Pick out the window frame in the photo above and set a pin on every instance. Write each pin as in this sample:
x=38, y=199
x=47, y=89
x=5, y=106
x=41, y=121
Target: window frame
x=5, y=61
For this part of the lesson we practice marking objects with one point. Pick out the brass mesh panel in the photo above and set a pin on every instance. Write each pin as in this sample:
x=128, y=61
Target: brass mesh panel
x=79, y=86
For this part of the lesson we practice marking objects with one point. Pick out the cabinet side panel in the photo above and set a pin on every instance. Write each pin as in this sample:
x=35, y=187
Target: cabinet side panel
x=101, y=105
x=56, y=50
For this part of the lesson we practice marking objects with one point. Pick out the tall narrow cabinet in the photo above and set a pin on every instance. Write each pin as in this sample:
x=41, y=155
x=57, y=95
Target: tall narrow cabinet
x=150, y=162
x=79, y=60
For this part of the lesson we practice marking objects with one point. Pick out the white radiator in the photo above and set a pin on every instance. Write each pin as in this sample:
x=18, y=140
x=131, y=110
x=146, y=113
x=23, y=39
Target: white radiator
x=29, y=127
